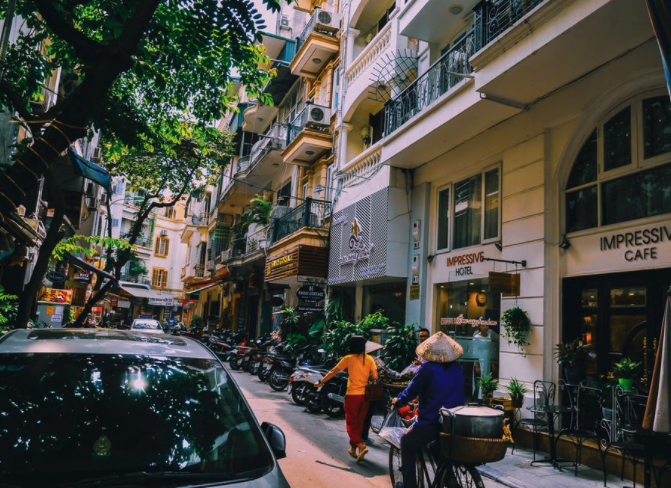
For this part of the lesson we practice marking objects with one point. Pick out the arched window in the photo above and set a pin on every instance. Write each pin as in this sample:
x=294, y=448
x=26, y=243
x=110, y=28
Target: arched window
x=623, y=169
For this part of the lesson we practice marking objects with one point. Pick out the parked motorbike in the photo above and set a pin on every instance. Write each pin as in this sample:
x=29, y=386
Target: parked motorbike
x=284, y=366
x=330, y=397
x=302, y=382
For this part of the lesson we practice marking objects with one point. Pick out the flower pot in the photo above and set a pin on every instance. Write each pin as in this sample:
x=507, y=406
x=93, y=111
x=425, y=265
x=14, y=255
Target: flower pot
x=626, y=383
x=574, y=375
x=517, y=401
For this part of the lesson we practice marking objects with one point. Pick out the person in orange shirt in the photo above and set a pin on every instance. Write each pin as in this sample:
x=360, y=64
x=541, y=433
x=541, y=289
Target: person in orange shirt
x=360, y=368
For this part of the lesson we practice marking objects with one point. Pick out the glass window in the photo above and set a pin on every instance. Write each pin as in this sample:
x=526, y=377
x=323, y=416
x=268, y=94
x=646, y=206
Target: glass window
x=631, y=197
x=628, y=296
x=581, y=209
x=656, y=126
x=443, y=218
x=590, y=298
x=467, y=212
x=617, y=141
x=114, y=415
x=584, y=168
x=492, y=204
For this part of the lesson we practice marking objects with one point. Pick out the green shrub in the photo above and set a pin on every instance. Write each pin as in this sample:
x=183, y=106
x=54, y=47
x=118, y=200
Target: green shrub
x=399, y=349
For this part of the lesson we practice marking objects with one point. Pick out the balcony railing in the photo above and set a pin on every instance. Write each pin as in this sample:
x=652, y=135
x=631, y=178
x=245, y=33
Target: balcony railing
x=493, y=18
x=371, y=54
x=446, y=72
x=199, y=270
x=250, y=244
x=141, y=279
x=301, y=121
x=274, y=139
x=309, y=29
x=311, y=213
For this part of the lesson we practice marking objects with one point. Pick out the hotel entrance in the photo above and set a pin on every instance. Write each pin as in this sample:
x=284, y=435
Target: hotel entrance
x=619, y=315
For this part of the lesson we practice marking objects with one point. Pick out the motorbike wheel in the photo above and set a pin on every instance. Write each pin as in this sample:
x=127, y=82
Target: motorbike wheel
x=332, y=408
x=313, y=403
x=245, y=365
x=234, y=363
x=254, y=368
x=275, y=382
x=297, y=394
x=262, y=374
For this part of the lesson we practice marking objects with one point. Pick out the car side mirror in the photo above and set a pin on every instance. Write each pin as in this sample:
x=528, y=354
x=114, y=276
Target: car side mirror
x=276, y=439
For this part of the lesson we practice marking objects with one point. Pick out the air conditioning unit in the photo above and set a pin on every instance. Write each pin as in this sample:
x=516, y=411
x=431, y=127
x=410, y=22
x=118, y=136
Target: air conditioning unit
x=103, y=199
x=318, y=115
x=284, y=21
x=210, y=265
x=325, y=20
x=95, y=157
x=164, y=232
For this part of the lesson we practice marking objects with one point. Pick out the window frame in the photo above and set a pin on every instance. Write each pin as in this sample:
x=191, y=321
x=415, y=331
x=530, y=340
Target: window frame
x=451, y=220
x=157, y=246
x=638, y=163
x=162, y=273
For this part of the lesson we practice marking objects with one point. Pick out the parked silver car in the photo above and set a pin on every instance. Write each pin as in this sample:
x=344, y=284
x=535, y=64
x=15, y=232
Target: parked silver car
x=148, y=326
x=86, y=407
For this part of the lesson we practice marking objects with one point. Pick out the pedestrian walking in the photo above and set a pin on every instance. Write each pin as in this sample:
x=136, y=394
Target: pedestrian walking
x=439, y=383
x=361, y=369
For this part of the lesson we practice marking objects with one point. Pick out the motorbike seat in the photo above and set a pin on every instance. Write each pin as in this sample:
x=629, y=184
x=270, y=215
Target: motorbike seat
x=342, y=375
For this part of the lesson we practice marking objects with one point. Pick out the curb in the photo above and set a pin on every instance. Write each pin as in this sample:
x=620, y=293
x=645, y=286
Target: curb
x=499, y=478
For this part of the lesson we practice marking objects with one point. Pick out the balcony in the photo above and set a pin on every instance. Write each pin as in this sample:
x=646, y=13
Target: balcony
x=140, y=279
x=317, y=44
x=245, y=247
x=310, y=214
x=449, y=70
x=273, y=140
x=362, y=166
x=308, y=136
x=436, y=21
x=199, y=270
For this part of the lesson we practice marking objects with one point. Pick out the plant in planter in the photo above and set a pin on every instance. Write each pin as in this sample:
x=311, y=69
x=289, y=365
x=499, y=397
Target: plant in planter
x=517, y=325
x=516, y=390
x=399, y=349
x=571, y=355
x=626, y=371
x=488, y=385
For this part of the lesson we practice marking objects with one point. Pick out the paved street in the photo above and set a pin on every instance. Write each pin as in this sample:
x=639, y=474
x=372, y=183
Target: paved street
x=316, y=444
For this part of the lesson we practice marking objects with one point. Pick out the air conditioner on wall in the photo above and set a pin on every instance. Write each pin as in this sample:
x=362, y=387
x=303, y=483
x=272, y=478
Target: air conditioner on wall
x=318, y=115
x=325, y=20
x=164, y=232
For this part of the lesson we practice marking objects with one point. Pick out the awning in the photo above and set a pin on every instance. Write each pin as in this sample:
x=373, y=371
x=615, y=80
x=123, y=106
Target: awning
x=154, y=297
x=197, y=290
x=90, y=171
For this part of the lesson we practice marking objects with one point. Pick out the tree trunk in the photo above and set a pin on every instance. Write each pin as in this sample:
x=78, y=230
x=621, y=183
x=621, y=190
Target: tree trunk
x=54, y=235
x=99, y=295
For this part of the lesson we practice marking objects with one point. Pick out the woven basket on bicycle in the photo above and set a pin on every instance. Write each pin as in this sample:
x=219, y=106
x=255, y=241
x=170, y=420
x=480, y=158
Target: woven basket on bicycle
x=472, y=450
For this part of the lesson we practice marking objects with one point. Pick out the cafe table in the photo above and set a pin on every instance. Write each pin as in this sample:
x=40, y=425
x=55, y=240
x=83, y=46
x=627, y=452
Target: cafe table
x=551, y=411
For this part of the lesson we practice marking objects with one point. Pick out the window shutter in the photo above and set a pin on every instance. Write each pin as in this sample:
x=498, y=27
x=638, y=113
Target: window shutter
x=155, y=279
x=157, y=248
x=167, y=246
x=164, y=281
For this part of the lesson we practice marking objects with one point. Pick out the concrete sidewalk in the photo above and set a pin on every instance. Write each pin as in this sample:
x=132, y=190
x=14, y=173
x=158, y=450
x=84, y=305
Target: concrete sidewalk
x=516, y=471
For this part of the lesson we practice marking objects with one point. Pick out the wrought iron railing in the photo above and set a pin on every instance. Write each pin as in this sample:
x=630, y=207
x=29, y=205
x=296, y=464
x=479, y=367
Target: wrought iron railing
x=141, y=279
x=274, y=139
x=249, y=244
x=238, y=247
x=492, y=18
x=307, y=30
x=446, y=72
x=301, y=120
x=311, y=213
x=199, y=270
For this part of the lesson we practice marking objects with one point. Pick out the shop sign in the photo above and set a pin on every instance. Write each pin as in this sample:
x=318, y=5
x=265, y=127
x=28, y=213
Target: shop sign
x=414, y=292
x=358, y=251
x=82, y=277
x=114, y=301
x=57, y=296
x=162, y=302
x=637, y=244
x=96, y=309
x=310, y=294
x=507, y=284
x=56, y=277
x=124, y=303
x=56, y=318
x=461, y=320
x=465, y=259
x=280, y=262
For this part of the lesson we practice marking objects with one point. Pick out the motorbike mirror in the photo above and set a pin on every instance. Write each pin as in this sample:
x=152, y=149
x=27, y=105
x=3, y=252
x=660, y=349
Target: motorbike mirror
x=276, y=439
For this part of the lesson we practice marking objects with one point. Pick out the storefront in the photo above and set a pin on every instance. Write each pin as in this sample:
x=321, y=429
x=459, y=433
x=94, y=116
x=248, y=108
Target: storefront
x=369, y=253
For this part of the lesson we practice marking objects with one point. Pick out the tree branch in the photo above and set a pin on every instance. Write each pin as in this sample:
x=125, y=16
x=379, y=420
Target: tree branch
x=86, y=48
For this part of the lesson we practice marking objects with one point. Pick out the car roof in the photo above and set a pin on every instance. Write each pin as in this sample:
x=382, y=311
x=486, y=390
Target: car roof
x=101, y=341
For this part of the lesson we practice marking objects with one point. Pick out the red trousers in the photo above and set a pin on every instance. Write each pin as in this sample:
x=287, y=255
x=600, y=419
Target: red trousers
x=356, y=408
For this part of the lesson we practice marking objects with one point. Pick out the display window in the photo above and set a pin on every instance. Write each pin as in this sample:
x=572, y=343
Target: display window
x=469, y=313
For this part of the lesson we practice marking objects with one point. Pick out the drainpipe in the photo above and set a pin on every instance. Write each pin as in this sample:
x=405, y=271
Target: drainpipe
x=343, y=91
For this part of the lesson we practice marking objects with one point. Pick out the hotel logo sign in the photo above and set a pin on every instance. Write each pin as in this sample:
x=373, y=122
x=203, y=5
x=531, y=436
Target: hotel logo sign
x=358, y=251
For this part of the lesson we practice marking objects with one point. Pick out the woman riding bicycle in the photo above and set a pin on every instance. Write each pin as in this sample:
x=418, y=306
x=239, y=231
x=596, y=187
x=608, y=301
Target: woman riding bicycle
x=439, y=383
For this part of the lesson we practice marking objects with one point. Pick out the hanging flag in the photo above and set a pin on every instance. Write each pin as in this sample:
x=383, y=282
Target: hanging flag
x=660, y=17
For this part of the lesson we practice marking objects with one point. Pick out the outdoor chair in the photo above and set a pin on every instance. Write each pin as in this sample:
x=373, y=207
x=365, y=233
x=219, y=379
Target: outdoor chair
x=628, y=410
x=586, y=419
x=544, y=394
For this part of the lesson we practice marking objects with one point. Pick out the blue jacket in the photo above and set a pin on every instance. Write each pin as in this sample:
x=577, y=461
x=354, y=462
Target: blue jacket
x=437, y=385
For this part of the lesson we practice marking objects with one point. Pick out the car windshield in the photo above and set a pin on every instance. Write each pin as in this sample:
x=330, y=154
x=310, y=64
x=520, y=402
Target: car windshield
x=147, y=325
x=71, y=417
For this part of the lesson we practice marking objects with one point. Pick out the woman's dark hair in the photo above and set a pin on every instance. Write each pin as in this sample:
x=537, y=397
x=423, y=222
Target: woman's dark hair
x=357, y=344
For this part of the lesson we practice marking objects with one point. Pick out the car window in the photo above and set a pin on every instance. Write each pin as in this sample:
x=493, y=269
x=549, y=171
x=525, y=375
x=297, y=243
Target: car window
x=81, y=416
x=146, y=325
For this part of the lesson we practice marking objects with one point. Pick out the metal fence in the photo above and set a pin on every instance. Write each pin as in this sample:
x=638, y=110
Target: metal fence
x=311, y=213
x=307, y=30
x=274, y=139
x=301, y=120
x=446, y=72
x=492, y=18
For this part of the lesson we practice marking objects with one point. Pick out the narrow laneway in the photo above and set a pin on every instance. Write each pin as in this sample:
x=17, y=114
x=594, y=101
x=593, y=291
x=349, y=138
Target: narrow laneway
x=316, y=444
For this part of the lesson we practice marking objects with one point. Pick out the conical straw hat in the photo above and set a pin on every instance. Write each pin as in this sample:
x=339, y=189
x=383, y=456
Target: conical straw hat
x=439, y=348
x=372, y=347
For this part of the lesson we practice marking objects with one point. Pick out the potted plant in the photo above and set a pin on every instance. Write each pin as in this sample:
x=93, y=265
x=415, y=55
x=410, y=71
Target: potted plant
x=516, y=390
x=517, y=325
x=571, y=355
x=626, y=370
x=488, y=385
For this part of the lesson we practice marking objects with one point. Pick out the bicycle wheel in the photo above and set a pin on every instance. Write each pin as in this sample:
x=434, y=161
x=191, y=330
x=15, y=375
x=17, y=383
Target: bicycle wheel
x=395, y=468
x=460, y=476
